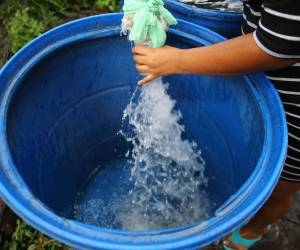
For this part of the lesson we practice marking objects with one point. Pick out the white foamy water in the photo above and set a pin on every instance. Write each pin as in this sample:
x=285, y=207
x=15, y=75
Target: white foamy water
x=224, y=5
x=166, y=171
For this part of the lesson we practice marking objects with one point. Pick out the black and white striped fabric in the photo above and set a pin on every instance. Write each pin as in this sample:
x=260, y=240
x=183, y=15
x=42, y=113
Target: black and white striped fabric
x=276, y=29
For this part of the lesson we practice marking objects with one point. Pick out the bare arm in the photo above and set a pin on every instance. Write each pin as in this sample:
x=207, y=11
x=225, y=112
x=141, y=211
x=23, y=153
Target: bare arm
x=236, y=56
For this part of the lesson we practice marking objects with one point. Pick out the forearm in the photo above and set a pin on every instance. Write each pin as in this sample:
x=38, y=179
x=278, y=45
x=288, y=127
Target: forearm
x=236, y=56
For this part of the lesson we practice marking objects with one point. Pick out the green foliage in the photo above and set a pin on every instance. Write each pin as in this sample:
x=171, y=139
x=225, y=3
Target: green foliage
x=109, y=5
x=8, y=8
x=24, y=20
x=76, y=5
x=22, y=28
x=1, y=62
x=26, y=238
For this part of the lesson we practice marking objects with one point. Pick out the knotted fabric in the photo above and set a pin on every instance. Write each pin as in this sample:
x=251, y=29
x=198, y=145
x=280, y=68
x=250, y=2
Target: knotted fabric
x=148, y=19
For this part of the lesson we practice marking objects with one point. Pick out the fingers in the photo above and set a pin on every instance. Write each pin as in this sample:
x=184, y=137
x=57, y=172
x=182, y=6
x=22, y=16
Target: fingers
x=140, y=59
x=142, y=68
x=140, y=50
x=147, y=79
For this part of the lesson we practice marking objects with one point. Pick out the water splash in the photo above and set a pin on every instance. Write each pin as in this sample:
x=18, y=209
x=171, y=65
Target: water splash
x=167, y=171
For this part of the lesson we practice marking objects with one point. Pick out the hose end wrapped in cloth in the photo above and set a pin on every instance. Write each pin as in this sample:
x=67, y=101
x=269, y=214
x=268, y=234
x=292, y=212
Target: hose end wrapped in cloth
x=146, y=20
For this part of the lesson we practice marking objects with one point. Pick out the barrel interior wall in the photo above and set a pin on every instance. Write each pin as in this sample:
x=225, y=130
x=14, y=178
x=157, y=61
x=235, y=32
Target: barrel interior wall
x=224, y=119
x=65, y=115
x=64, y=118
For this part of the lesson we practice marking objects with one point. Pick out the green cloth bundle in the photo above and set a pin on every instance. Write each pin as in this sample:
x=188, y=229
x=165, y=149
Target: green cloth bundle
x=149, y=17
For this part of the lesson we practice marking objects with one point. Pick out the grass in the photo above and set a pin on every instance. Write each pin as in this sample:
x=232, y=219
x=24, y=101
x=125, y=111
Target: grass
x=22, y=21
x=26, y=238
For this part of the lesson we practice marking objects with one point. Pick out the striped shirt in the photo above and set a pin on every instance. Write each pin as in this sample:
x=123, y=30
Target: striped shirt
x=276, y=29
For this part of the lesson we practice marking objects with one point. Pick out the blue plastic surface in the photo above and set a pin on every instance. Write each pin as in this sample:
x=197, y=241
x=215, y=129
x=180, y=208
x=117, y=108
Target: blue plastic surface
x=225, y=23
x=62, y=98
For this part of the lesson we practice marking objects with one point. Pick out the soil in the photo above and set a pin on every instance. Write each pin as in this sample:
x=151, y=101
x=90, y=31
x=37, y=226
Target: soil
x=4, y=51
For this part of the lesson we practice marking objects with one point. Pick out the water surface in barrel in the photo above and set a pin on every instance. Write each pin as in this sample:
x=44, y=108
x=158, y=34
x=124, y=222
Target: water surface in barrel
x=165, y=172
x=224, y=5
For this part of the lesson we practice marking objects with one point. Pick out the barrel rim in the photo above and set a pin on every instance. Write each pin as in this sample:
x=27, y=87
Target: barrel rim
x=195, y=11
x=81, y=235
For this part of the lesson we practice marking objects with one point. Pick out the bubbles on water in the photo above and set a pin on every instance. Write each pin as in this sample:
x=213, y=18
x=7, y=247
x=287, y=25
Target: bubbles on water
x=224, y=5
x=166, y=171
x=89, y=212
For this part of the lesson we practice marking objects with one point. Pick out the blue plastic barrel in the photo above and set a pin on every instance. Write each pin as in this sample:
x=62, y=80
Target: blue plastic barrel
x=62, y=98
x=225, y=23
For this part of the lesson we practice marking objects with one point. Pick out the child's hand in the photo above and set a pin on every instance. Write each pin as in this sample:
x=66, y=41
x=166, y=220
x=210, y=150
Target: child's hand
x=157, y=62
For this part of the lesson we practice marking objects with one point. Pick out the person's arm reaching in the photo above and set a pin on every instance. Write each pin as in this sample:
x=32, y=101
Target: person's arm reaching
x=236, y=56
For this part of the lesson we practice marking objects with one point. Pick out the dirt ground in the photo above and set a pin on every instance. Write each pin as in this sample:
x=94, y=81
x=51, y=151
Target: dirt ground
x=4, y=51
